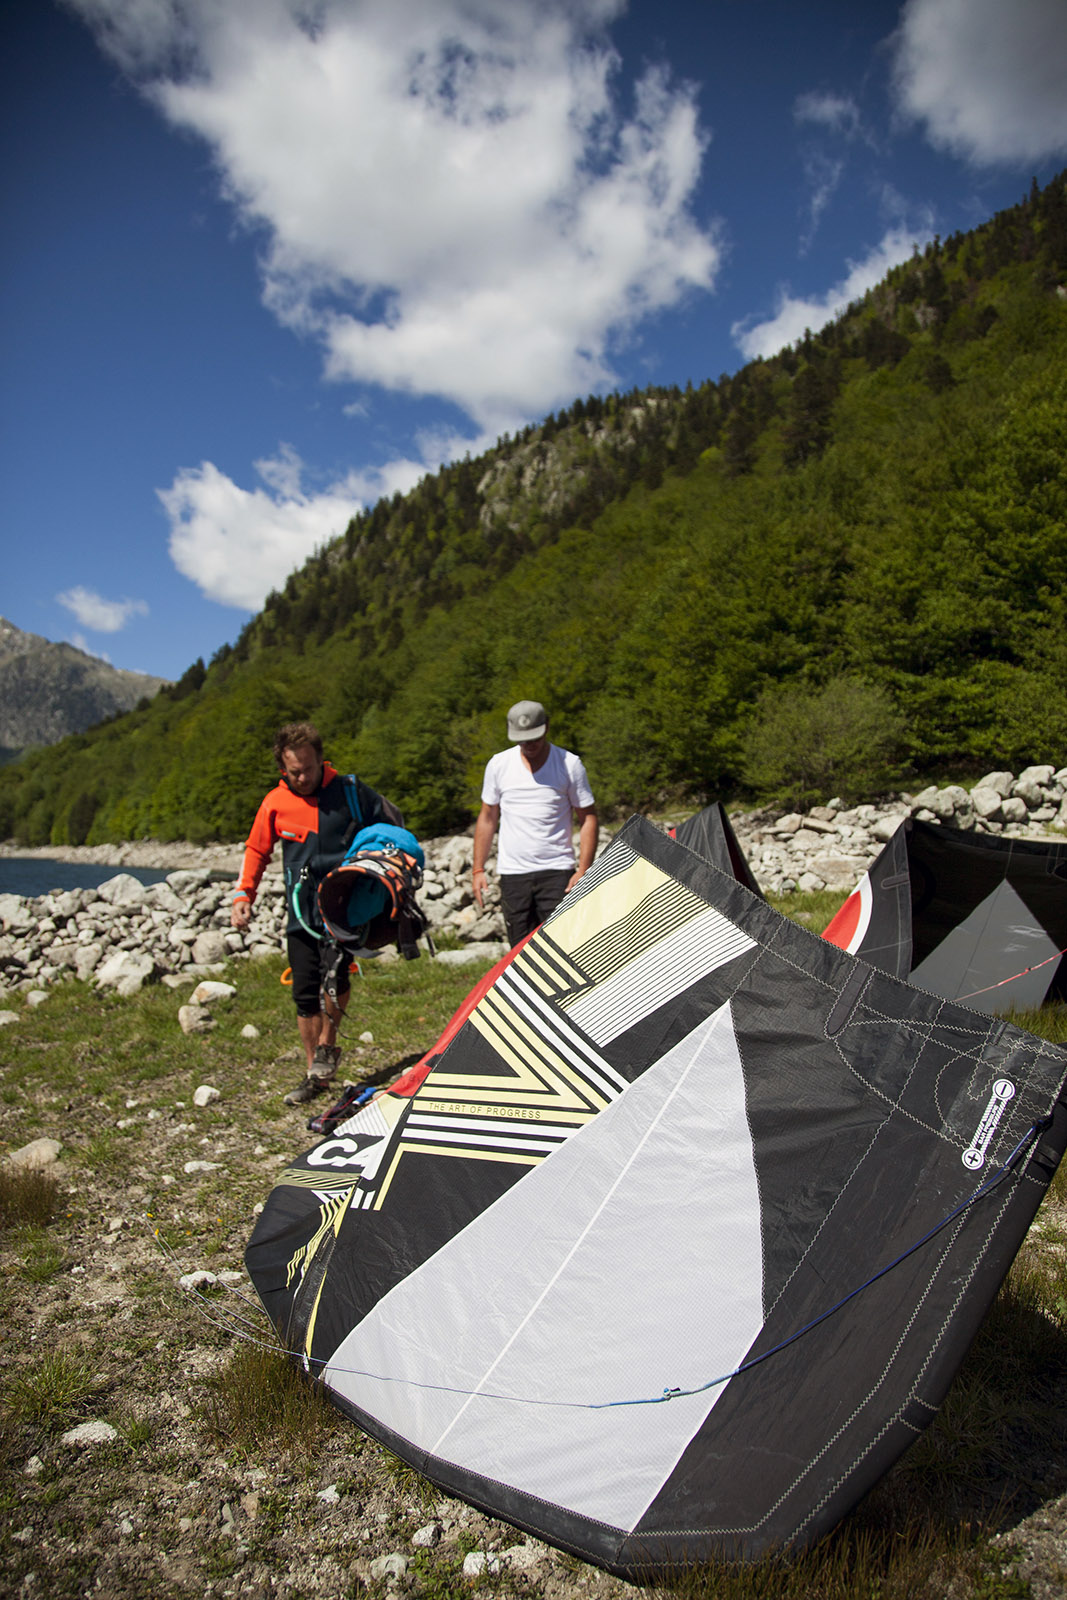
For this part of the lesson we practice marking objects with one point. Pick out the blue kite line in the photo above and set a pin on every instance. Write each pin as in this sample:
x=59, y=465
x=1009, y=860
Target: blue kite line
x=667, y=1394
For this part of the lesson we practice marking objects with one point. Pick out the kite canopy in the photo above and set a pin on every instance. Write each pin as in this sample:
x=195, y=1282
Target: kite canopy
x=675, y=1243
x=711, y=835
x=969, y=916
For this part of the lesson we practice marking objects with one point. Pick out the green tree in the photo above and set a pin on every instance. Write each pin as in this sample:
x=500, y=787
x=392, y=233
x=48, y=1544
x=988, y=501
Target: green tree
x=806, y=744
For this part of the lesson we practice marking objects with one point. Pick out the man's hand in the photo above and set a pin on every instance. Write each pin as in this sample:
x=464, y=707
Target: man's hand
x=479, y=883
x=240, y=913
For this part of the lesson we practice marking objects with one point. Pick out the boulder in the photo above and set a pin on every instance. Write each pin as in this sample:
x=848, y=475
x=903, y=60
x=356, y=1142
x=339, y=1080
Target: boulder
x=123, y=890
x=987, y=802
x=1031, y=793
x=195, y=1019
x=38, y=1153
x=161, y=897
x=209, y=947
x=210, y=990
x=188, y=879
x=948, y=802
x=87, y=958
x=1000, y=781
x=1041, y=775
x=126, y=971
x=15, y=914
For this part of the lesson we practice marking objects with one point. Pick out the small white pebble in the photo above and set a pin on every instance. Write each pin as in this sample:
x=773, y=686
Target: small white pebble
x=198, y=1280
x=90, y=1433
x=477, y=1563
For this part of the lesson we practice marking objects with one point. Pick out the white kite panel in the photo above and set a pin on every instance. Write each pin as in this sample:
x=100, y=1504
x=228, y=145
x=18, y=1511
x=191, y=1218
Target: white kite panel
x=626, y=1263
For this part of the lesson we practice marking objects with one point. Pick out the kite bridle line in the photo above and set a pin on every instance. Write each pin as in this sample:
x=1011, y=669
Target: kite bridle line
x=1024, y=973
x=322, y=1362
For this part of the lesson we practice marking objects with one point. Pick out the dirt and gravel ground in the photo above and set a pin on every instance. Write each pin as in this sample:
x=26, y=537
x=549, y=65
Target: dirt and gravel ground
x=187, y=1498
x=180, y=1502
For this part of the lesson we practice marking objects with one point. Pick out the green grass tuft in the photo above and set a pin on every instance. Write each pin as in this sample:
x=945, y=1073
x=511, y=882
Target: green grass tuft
x=27, y=1194
x=55, y=1389
x=260, y=1402
x=42, y=1257
x=407, y=1482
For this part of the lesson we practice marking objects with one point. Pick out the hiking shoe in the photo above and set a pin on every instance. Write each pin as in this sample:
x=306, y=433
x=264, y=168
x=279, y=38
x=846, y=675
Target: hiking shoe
x=307, y=1090
x=325, y=1061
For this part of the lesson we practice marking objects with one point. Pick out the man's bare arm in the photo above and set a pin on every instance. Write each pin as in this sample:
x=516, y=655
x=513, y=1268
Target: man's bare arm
x=484, y=829
x=588, y=833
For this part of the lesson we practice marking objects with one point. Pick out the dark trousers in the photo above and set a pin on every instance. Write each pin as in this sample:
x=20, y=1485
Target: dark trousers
x=529, y=897
x=307, y=959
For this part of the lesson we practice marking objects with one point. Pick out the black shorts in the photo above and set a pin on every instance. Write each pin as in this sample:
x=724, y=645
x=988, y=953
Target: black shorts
x=529, y=897
x=308, y=958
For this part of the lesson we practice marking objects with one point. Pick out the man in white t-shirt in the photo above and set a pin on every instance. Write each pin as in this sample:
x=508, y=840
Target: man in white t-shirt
x=532, y=791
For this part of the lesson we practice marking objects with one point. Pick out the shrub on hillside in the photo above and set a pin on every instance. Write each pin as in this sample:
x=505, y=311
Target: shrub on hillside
x=805, y=744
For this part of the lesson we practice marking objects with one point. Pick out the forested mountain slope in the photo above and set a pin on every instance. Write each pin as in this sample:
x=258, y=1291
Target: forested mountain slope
x=879, y=513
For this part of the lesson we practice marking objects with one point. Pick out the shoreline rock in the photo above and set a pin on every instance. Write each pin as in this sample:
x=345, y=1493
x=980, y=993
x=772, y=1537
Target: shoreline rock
x=124, y=934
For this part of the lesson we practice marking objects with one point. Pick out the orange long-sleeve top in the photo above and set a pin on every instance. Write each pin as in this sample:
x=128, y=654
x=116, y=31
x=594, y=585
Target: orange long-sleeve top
x=314, y=831
x=296, y=820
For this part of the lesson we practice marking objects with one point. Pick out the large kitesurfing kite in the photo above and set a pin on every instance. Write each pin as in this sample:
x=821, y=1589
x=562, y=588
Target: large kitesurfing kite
x=974, y=917
x=674, y=1243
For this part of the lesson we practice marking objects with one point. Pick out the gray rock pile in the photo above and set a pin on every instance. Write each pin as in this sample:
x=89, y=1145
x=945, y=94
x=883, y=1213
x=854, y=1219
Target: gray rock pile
x=124, y=934
x=832, y=845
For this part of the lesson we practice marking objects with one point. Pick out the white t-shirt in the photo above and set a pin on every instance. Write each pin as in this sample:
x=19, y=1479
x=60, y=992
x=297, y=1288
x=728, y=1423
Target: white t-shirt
x=535, y=808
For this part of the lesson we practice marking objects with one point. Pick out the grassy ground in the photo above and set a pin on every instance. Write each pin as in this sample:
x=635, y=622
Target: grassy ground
x=212, y=1483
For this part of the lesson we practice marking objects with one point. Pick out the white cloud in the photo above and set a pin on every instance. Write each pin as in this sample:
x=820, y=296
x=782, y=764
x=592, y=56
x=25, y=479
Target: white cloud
x=238, y=544
x=102, y=616
x=838, y=113
x=822, y=175
x=987, y=77
x=794, y=315
x=828, y=117
x=453, y=200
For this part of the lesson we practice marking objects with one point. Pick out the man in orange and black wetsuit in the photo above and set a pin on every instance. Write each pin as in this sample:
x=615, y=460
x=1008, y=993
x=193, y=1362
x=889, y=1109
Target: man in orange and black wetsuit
x=315, y=813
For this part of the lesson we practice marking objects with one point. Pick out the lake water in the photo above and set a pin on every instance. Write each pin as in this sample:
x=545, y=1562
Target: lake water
x=29, y=876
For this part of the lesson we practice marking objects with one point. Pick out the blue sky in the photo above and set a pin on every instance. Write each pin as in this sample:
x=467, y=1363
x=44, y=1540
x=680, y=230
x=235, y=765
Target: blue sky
x=264, y=260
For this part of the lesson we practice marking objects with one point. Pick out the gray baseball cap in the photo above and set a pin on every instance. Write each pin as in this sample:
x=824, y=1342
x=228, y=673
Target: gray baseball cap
x=527, y=719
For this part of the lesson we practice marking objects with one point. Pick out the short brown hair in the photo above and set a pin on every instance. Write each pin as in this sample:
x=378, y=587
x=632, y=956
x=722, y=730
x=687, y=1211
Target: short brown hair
x=294, y=736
